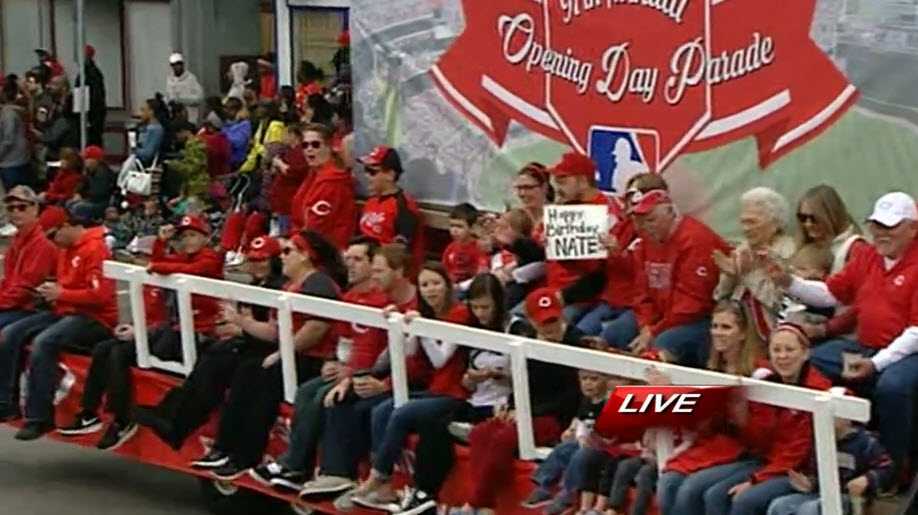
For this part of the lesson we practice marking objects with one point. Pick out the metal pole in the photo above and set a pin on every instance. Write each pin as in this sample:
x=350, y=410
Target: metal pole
x=81, y=64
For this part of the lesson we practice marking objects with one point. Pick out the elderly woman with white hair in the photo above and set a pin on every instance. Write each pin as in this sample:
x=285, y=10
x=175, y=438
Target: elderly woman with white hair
x=764, y=215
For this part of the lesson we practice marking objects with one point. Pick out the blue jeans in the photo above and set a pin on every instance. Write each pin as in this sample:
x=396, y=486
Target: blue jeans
x=584, y=470
x=679, y=494
x=754, y=501
x=50, y=333
x=688, y=344
x=394, y=425
x=592, y=323
x=306, y=425
x=802, y=504
x=346, y=435
x=892, y=392
x=13, y=315
x=552, y=469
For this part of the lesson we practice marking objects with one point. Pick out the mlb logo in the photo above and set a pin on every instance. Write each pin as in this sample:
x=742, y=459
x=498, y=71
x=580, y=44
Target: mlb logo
x=618, y=158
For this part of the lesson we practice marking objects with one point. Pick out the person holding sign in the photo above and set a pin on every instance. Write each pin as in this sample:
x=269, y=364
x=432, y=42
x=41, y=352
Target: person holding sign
x=575, y=255
x=675, y=283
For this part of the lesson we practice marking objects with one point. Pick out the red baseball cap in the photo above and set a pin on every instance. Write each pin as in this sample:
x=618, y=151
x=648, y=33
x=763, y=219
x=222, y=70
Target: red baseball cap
x=52, y=217
x=94, y=152
x=385, y=157
x=573, y=164
x=262, y=248
x=193, y=223
x=643, y=203
x=543, y=306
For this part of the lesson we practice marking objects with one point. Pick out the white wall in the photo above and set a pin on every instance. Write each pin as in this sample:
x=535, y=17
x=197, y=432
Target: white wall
x=148, y=28
x=21, y=33
x=103, y=31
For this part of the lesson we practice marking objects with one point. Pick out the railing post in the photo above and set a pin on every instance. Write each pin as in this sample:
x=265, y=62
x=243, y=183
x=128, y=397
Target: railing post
x=186, y=326
x=826, y=456
x=398, y=368
x=139, y=321
x=287, y=348
x=523, y=409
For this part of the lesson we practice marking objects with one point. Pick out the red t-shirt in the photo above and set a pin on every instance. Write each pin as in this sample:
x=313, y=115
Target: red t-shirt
x=367, y=343
x=886, y=301
x=464, y=260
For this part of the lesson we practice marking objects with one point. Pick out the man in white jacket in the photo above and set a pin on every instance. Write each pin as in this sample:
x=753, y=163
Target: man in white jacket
x=183, y=87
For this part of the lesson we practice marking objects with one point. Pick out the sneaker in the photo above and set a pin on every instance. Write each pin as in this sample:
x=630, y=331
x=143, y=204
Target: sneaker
x=116, y=435
x=85, y=424
x=212, y=460
x=267, y=473
x=228, y=472
x=8, y=231
x=33, y=430
x=417, y=502
x=460, y=430
x=382, y=499
x=326, y=485
x=538, y=498
x=290, y=479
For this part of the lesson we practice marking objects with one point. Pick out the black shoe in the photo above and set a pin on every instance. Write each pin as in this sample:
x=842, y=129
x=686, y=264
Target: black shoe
x=228, y=472
x=212, y=460
x=9, y=413
x=417, y=502
x=85, y=424
x=162, y=427
x=33, y=430
x=116, y=435
x=273, y=473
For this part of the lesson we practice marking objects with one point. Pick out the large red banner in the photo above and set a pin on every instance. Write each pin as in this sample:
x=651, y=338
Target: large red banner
x=680, y=75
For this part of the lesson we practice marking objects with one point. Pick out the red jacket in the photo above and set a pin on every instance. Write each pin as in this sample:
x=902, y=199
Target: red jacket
x=64, y=186
x=886, y=301
x=218, y=152
x=205, y=263
x=464, y=260
x=621, y=281
x=676, y=279
x=328, y=206
x=782, y=437
x=154, y=306
x=447, y=380
x=30, y=260
x=84, y=289
x=394, y=217
x=286, y=187
x=561, y=274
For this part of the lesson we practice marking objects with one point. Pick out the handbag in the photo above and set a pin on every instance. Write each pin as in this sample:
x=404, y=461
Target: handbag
x=135, y=178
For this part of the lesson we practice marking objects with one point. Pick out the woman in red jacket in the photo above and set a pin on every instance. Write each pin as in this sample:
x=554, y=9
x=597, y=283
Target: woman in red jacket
x=290, y=173
x=326, y=203
x=391, y=426
x=780, y=438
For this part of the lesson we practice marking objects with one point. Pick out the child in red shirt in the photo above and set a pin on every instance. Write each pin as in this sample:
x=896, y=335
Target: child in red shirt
x=464, y=257
x=67, y=180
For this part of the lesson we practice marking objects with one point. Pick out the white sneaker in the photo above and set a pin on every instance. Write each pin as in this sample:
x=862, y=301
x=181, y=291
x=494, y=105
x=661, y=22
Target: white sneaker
x=8, y=231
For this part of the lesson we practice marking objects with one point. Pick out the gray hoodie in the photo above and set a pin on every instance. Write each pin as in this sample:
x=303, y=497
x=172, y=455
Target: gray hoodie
x=14, y=149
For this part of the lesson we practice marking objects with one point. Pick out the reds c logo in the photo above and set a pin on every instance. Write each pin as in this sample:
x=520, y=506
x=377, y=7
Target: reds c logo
x=899, y=280
x=544, y=302
x=186, y=220
x=321, y=208
x=258, y=243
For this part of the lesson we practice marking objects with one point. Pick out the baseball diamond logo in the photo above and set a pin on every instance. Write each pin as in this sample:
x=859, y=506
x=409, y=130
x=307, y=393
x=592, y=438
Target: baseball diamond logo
x=637, y=83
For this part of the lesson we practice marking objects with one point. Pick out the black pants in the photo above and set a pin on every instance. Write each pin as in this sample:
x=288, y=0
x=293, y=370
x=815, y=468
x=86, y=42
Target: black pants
x=189, y=405
x=435, y=453
x=346, y=435
x=252, y=407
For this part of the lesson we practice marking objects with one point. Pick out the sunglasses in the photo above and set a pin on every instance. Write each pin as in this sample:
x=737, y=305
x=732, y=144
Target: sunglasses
x=314, y=144
x=804, y=218
x=18, y=208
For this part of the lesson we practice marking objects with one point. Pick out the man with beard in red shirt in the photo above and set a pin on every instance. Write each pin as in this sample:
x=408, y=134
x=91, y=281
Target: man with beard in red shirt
x=676, y=277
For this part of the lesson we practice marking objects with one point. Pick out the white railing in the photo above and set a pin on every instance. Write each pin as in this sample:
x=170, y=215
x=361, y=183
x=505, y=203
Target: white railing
x=823, y=405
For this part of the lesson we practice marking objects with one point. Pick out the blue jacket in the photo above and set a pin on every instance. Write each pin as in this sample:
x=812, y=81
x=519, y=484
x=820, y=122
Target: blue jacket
x=149, y=139
x=238, y=134
x=860, y=453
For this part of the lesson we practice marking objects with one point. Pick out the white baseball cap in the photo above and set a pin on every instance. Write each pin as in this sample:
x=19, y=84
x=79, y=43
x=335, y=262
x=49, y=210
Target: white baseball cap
x=891, y=209
x=176, y=58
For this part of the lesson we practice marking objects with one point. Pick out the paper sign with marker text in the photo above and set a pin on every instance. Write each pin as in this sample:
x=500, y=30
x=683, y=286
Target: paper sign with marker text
x=572, y=231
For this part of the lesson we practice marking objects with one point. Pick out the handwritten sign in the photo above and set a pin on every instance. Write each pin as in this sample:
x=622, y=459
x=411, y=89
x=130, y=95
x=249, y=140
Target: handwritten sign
x=573, y=231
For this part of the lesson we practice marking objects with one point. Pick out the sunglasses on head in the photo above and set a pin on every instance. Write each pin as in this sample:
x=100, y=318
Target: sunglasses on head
x=803, y=218
x=313, y=144
x=17, y=208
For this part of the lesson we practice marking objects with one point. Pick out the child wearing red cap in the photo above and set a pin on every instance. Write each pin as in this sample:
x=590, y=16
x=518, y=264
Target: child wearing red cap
x=99, y=182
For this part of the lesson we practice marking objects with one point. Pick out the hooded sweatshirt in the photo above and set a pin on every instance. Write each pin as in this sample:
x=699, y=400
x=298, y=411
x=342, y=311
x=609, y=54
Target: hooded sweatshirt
x=84, y=288
x=14, y=148
x=185, y=89
x=328, y=206
x=30, y=260
x=238, y=72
